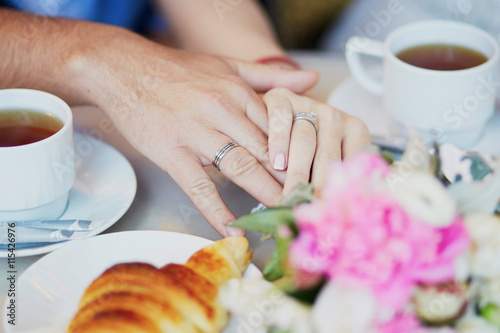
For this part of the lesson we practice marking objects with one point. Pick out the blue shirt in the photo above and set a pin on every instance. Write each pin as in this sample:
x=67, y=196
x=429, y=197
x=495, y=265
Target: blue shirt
x=136, y=15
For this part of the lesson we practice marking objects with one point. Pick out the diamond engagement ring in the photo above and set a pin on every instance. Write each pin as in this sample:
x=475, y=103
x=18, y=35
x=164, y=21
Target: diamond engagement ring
x=310, y=117
x=222, y=152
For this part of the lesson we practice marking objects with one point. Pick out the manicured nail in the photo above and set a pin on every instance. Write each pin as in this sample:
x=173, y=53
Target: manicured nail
x=235, y=232
x=279, y=161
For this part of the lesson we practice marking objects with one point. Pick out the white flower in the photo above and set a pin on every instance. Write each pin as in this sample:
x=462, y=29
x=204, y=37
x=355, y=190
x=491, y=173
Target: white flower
x=259, y=305
x=342, y=309
x=475, y=324
x=424, y=197
x=489, y=292
x=440, y=303
x=484, y=231
x=462, y=267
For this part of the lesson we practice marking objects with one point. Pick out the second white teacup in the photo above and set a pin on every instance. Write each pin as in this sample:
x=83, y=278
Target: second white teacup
x=445, y=105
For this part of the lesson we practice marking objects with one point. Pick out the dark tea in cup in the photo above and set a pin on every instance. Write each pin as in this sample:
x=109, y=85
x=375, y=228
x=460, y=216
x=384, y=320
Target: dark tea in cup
x=22, y=127
x=442, y=57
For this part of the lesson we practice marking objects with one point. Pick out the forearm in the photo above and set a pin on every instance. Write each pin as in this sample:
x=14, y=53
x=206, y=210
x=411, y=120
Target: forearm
x=49, y=54
x=238, y=28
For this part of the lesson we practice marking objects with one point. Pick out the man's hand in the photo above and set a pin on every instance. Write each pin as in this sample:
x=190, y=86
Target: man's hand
x=180, y=108
x=177, y=108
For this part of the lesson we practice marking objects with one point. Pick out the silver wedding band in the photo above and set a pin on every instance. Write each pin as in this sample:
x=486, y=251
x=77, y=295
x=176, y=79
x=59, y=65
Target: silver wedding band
x=222, y=152
x=310, y=117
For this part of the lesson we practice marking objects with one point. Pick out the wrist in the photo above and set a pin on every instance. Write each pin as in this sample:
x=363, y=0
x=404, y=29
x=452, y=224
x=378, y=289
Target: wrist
x=106, y=64
x=84, y=63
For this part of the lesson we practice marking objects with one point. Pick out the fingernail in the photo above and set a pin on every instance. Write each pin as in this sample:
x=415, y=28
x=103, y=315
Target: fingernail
x=235, y=232
x=279, y=161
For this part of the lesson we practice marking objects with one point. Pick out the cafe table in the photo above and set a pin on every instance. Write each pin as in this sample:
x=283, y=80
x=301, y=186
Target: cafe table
x=160, y=204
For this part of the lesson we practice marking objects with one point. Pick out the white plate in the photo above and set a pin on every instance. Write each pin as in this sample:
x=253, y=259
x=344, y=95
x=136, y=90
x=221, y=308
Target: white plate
x=49, y=291
x=104, y=189
x=352, y=98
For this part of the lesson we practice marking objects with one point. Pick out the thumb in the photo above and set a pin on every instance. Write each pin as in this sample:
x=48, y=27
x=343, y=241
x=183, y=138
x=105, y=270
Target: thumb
x=266, y=77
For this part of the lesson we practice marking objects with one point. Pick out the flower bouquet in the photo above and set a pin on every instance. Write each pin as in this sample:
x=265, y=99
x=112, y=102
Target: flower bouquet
x=387, y=246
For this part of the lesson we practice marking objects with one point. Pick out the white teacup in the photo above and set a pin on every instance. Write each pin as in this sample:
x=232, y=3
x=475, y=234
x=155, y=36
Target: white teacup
x=35, y=178
x=447, y=106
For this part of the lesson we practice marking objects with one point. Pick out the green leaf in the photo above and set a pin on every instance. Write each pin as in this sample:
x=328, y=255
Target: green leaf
x=279, y=330
x=491, y=313
x=387, y=156
x=267, y=221
x=307, y=295
x=273, y=270
x=276, y=267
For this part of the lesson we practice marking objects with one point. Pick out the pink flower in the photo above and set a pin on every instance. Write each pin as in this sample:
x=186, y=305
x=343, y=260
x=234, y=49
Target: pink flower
x=357, y=169
x=360, y=235
x=406, y=323
x=402, y=324
x=368, y=163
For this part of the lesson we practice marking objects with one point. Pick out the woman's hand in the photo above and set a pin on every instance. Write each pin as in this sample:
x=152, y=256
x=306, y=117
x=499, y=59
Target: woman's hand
x=297, y=148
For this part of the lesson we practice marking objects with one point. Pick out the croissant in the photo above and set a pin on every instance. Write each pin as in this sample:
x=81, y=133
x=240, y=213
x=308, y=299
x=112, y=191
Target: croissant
x=138, y=297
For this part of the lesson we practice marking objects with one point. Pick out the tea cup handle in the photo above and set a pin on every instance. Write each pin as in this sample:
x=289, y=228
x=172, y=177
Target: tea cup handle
x=355, y=47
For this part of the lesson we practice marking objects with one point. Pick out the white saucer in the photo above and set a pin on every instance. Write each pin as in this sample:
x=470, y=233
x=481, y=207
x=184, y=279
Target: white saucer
x=49, y=290
x=352, y=98
x=104, y=189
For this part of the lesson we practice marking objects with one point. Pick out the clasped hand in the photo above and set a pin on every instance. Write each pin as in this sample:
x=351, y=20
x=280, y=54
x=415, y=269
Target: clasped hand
x=180, y=108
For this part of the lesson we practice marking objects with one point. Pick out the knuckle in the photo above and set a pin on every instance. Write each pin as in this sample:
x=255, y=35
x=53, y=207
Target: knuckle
x=218, y=214
x=329, y=113
x=237, y=82
x=320, y=182
x=217, y=101
x=282, y=112
x=243, y=166
x=278, y=91
x=279, y=138
x=327, y=156
x=309, y=140
x=258, y=151
x=299, y=175
x=202, y=190
x=275, y=200
x=306, y=136
x=281, y=120
x=358, y=124
x=263, y=154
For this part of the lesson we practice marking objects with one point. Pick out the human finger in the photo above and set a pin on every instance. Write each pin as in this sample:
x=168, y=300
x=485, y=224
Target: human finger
x=330, y=136
x=244, y=170
x=280, y=114
x=238, y=126
x=190, y=175
x=301, y=155
x=265, y=77
x=356, y=136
